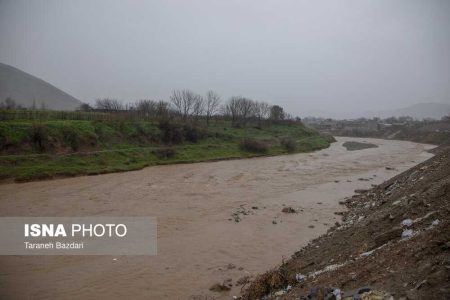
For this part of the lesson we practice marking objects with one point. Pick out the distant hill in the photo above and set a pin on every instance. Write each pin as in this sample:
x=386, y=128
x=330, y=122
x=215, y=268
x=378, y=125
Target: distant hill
x=27, y=89
x=418, y=111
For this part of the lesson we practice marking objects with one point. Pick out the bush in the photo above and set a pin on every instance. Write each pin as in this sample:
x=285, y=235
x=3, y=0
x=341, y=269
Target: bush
x=171, y=133
x=39, y=138
x=289, y=144
x=164, y=153
x=252, y=145
x=3, y=142
x=71, y=138
x=193, y=134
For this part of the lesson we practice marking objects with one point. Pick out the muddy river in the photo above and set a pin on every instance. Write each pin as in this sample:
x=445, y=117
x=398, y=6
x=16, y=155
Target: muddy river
x=199, y=241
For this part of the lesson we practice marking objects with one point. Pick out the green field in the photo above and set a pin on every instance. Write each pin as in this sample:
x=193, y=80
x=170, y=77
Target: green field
x=47, y=149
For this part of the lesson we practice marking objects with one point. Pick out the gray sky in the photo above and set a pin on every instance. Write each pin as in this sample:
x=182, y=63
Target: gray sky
x=308, y=56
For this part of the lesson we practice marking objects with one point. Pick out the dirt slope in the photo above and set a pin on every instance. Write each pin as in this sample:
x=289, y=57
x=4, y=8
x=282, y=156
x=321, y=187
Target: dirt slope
x=367, y=249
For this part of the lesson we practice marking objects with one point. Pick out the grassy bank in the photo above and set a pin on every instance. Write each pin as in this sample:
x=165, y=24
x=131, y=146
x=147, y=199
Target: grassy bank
x=32, y=151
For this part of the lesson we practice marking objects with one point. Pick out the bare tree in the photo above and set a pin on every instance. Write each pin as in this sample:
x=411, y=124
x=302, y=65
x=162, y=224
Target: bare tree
x=231, y=109
x=199, y=106
x=262, y=111
x=163, y=111
x=277, y=113
x=108, y=104
x=186, y=103
x=212, y=105
x=146, y=108
x=240, y=109
x=246, y=109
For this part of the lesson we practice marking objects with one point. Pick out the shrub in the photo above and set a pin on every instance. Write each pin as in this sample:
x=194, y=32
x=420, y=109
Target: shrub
x=3, y=142
x=289, y=144
x=71, y=138
x=193, y=134
x=39, y=138
x=171, y=133
x=252, y=145
x=164, y=153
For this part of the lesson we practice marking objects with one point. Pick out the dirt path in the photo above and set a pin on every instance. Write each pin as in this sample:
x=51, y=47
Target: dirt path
x=194, y=204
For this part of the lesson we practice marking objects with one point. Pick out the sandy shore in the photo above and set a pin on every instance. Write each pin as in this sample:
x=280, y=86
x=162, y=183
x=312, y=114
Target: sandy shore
x=194, y=204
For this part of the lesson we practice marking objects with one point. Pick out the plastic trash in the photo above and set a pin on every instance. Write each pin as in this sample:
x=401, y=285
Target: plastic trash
x=337, y=294
x=300, y=277
x=407, y=222
x=407, y=233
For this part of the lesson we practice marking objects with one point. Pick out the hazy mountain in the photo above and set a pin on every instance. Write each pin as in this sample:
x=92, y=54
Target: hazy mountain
x=418, y=111
x=27, y=89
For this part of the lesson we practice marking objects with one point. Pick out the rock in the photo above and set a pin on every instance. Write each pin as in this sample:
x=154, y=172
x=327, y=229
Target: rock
x=361, y=191
x=243, y=280
x=387, y=236
x=376, y=295
x=421, y=284
x=390, y=168
x=231, y=266
x=254, y=207
x=274, y=222
x=412, y=295
x=226, y=286
x=311, y=226
x=288, y=210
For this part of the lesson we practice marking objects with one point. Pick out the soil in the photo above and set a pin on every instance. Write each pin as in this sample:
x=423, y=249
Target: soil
x=374, y=246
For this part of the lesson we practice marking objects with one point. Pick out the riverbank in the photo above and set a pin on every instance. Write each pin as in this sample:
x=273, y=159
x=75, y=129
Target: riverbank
x=54, y=149
x=200, y=243
x=393, y=238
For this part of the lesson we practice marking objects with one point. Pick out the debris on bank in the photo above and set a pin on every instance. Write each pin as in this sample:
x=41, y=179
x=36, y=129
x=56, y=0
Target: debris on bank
x=393, y=243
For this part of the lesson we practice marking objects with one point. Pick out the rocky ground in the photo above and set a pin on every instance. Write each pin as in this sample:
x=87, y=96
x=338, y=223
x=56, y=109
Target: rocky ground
x=394, y=240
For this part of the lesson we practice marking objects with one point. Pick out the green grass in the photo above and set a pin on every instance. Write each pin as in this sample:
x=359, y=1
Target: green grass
x=96, y=147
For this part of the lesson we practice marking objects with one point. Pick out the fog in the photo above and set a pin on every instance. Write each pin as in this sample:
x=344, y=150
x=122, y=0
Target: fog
x=311, y=57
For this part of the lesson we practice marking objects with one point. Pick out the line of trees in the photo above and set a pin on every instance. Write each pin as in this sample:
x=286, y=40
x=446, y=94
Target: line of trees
x=184, y=105
x=190, y=106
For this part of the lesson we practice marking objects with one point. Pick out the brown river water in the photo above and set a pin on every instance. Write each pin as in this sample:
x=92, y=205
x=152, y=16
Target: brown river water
x=194, y=204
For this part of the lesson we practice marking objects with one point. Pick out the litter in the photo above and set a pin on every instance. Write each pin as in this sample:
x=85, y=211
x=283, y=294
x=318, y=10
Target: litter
x=300, y=277
x=407, y=222
x=407, y=233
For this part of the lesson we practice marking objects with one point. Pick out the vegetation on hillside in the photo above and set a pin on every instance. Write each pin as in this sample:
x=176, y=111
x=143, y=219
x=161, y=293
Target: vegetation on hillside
x=43, y=144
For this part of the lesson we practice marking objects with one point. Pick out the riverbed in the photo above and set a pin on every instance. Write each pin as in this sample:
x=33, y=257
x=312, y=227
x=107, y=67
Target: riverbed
x=216, y=220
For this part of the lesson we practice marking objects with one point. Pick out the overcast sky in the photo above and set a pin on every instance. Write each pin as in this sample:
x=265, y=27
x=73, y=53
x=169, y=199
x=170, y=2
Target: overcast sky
x=308, y=56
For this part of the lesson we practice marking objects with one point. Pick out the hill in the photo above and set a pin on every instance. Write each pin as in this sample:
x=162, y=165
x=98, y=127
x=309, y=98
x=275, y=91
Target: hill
x=27, y=89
